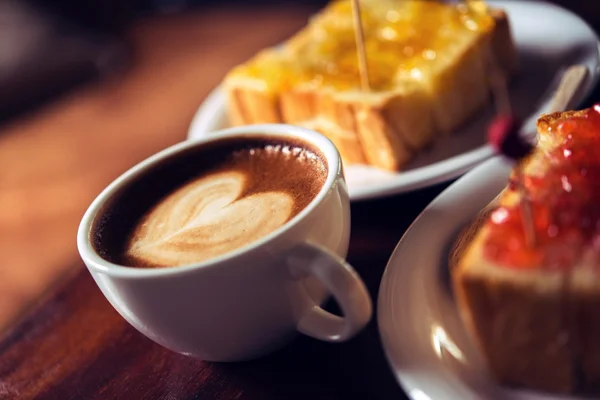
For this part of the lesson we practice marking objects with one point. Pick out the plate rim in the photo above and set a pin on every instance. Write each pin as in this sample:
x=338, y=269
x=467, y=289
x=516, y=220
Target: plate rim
x=484, y=182
x=212, y=109
x=387, y=286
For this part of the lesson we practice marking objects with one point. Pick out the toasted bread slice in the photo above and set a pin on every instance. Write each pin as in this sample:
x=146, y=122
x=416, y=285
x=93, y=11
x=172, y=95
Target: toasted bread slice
x=537, y=327
x=427, y=68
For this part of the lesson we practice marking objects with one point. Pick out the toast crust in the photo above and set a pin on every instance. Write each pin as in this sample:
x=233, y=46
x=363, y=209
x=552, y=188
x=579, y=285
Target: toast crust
x=537, y=328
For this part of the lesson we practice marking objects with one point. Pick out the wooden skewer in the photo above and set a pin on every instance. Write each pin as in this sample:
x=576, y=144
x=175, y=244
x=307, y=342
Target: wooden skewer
x=568, y=87
x=526, y=211
x=499, y=86
x=360, y=47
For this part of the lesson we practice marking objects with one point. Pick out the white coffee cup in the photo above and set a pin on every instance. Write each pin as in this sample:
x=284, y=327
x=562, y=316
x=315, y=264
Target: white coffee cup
x=252, y=300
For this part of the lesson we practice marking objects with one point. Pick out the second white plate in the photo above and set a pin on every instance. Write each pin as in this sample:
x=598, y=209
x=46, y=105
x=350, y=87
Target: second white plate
x=428, y=349
x=548, y=39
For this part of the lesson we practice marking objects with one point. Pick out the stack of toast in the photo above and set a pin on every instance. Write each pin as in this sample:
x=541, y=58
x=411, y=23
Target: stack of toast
x=428, y=62
x=533, y=308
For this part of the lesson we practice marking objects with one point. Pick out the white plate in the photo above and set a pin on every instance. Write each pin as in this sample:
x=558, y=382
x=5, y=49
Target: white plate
x=425, y=342
x=548, y=39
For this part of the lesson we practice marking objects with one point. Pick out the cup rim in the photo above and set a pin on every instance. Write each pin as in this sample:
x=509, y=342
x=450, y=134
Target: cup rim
x=95, y=262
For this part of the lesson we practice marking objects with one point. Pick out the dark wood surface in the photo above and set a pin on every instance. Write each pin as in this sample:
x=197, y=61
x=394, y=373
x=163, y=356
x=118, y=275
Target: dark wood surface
x=77, y=347
x=73, y=345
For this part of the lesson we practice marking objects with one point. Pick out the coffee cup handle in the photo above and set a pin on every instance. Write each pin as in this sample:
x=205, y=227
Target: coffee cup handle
x=342, y=281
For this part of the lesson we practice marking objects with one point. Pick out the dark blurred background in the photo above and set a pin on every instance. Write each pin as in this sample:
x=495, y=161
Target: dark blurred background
x=49, y=47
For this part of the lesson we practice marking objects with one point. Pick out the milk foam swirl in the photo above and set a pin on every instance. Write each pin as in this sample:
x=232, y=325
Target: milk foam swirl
x=206, y=218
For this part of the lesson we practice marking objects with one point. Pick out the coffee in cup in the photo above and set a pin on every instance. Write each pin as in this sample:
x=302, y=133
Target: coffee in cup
x=209, y=201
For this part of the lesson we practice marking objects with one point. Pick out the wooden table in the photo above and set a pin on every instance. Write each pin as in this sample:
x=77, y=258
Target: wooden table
x=73, y=345
x=77, y=347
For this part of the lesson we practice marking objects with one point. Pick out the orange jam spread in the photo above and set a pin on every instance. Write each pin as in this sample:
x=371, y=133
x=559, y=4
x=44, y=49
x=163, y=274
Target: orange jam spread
x=565, y=200
x=403, y=39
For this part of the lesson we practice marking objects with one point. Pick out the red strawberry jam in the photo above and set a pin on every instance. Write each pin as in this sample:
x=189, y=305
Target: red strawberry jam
x=565, y=202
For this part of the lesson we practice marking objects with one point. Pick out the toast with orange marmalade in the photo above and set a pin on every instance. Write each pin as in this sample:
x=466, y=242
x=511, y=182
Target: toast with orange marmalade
x=534, y=309
x=427, y=63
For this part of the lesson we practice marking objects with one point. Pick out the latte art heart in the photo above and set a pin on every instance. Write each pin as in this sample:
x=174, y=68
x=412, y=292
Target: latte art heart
x=206, y=218
x=208, y=200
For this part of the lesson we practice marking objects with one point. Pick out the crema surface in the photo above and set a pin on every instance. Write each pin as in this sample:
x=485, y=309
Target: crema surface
x=241, y=191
